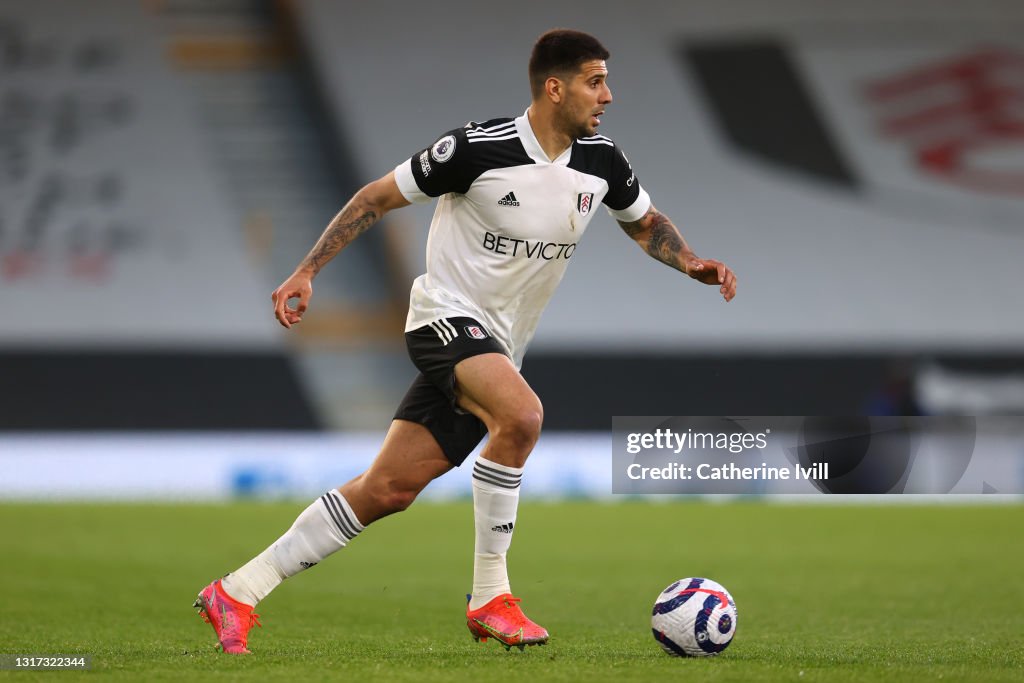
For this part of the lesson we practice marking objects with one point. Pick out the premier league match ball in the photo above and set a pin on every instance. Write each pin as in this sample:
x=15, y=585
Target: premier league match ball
x=694, y=618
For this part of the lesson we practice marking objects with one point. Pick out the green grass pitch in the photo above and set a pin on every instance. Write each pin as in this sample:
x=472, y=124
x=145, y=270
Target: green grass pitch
x=824, y=593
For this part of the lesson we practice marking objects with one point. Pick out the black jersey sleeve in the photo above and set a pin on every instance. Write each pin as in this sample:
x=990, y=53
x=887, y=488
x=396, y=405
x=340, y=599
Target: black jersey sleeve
x=446, y=166
x=623, y=186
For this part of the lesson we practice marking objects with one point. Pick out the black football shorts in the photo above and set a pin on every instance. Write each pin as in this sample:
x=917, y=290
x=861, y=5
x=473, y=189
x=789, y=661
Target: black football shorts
x=435, y=349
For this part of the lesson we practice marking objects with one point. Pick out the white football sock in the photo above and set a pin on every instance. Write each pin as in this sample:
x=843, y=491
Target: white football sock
x=324, y=527
x=495, y=501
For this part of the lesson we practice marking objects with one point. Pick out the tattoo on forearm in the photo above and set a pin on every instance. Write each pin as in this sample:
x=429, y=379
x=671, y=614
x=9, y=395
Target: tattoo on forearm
x=350, y=222
x=635, y=228
x=658, y=237
x=664, y=243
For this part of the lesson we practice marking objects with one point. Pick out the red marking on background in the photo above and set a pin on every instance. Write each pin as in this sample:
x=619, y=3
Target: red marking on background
x=983, y=113
x=967, y=68
x=18, y=265
x=93, y=267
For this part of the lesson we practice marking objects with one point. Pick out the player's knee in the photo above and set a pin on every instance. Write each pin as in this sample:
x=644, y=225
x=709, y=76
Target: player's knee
x=398, y=500
x=390, y=497
x=521, y=429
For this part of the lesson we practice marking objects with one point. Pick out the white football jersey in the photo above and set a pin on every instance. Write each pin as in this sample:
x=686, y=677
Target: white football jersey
x=508, y=221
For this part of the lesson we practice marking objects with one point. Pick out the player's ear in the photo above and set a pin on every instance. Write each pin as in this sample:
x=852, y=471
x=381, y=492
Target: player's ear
x=554, y=88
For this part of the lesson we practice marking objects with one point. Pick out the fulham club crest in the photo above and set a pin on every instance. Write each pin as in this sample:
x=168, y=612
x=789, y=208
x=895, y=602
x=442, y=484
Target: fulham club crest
x=475, y=332
x=583, y=202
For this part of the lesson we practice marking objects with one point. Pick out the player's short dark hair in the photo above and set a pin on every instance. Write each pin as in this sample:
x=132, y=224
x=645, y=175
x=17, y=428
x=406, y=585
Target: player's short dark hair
x=559, y=53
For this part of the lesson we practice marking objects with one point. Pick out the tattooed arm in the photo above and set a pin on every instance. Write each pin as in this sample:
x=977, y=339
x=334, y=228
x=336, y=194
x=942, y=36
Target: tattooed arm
x=657, y=236
x=363, y=210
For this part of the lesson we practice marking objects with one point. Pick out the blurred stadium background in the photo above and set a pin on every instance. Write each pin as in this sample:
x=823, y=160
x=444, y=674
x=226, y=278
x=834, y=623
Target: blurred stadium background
x=165, y=163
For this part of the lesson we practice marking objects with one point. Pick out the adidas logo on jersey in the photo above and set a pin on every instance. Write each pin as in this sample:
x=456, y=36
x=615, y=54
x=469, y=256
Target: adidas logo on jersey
x=509, y=200
x=503, y=528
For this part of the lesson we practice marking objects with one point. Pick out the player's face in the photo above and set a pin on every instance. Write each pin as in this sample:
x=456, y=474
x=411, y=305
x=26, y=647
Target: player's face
x=587, y=94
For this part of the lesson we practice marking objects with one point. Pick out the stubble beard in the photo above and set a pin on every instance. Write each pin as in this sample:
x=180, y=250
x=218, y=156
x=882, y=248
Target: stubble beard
x=574, y=128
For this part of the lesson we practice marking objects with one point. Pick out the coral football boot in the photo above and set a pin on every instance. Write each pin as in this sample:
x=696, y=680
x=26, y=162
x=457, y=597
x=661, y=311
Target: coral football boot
x=230, y=619
x=503, y=620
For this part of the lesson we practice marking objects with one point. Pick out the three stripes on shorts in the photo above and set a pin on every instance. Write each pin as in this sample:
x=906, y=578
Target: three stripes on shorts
x=446, y=332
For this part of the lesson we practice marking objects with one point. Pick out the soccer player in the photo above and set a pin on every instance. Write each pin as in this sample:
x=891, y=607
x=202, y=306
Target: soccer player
x=515, y=195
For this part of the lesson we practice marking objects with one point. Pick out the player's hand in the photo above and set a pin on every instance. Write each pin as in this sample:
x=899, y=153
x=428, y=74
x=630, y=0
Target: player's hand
x=298, y=286
x=712, y=272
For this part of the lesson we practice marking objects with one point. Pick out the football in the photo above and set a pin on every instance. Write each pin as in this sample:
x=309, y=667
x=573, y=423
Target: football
x=694, y=618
